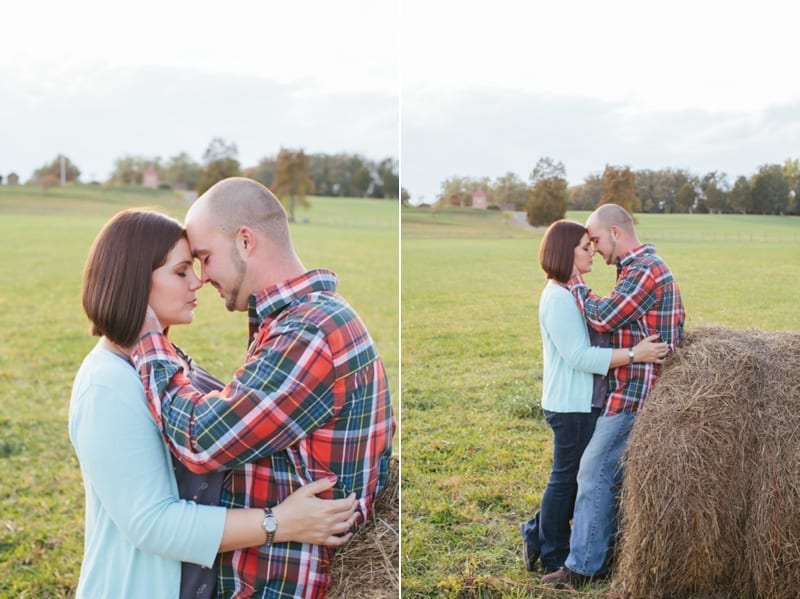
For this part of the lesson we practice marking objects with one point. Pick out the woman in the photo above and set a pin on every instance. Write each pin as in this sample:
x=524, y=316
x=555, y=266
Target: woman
x=138, y=531
x=567, y=387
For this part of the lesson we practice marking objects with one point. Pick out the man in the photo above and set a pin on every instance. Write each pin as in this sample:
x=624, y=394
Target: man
x=310, y=400
x=645, y=301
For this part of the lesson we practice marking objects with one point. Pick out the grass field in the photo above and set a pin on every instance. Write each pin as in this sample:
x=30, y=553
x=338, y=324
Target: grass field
x=476, y=450
x=44, y=239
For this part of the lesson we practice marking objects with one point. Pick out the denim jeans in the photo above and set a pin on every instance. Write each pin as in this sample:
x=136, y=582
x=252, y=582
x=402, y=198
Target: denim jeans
x=594, y=523
x=549, y=530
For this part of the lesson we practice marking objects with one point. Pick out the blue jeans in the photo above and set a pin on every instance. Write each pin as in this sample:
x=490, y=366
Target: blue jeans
x=594, y=523
x=549, y=530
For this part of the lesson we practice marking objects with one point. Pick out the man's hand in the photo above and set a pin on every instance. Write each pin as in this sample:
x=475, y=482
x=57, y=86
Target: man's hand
x=151, y=323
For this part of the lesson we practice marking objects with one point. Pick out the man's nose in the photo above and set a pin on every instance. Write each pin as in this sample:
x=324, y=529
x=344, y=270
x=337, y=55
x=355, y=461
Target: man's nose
x=203, y=274
x=196, y=283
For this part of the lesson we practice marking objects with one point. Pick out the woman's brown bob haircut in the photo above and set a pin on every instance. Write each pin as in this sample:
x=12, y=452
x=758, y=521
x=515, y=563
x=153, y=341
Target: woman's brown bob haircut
x=118, y=273
x=557, y=252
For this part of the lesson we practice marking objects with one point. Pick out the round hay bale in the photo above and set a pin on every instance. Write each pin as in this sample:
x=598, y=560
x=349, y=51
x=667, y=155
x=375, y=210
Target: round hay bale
x=710, y=502
x=368, y=566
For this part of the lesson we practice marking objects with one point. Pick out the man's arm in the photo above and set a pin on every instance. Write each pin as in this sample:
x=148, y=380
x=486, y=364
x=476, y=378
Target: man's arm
x=563, y=324
x=279, y=396
x=631, y=298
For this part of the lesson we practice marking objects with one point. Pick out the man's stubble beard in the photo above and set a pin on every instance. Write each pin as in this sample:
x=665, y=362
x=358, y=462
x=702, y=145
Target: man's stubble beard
x=241, y=271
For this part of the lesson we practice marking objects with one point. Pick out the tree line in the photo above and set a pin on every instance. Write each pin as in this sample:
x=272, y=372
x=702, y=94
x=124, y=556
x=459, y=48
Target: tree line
x=343, y=175
x=773, y=189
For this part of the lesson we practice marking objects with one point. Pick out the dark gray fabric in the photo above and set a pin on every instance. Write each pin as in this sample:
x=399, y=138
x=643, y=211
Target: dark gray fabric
x=600, y=381
x=199, y=582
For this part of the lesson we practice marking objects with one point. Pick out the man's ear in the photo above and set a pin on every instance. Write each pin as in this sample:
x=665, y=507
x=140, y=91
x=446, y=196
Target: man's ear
x=246, y=240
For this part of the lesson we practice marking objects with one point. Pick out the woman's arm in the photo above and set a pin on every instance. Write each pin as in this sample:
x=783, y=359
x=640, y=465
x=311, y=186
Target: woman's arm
x=302, y=517
x=115, y=460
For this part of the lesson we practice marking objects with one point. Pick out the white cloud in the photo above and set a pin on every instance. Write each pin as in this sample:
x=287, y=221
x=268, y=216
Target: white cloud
x=681, y=54
x=95, y=79
x=348, y=45
x=491, y=87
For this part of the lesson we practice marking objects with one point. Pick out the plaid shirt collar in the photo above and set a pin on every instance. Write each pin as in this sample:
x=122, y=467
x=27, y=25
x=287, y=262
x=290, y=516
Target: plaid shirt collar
x=626, y=259
x=269, y=301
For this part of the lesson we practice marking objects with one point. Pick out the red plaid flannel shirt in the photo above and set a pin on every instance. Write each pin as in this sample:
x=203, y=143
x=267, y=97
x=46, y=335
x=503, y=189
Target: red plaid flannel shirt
x=645, y=301
x=311, y=399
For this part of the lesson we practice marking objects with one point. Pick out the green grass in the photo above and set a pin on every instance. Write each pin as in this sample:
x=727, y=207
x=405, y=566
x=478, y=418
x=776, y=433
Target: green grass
x=476, y=451
x=44, y=239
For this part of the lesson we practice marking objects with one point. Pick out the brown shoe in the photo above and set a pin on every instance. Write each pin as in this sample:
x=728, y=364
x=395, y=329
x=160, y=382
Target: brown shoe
x=564, y=578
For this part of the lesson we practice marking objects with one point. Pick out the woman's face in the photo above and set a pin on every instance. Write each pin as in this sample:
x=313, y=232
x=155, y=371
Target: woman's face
x=584, y=253
x=173, y=287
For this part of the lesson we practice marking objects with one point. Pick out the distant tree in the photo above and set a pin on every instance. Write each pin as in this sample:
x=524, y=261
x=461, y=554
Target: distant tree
x=293, y=179
x=547, y=202
x=548, y=194
x=716, y=191
x=619, y=187
x=510, y=190
x=320, y=174
x=791, y=172
x=770, y=190
x=404, y=196
x=656, y=189
x=71, y=172
x=686, y=197
x=547, y=168
x=13, y=179
x=332, y=174
x=220, y=161
x=46, y=180
x=129, y=169
x=586, y=196
x=741, y=199
x=1, y=179
x=360, y=182
x=180, y=170
x=387, y=174
x=263, y=172
x=457, y=191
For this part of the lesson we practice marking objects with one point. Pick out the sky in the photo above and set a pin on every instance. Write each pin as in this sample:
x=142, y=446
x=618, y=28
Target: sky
x=96, y=80
x=488, y=88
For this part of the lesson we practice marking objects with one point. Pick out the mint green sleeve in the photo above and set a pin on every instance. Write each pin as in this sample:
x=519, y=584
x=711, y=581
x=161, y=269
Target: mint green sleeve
x=566, y=327
x=124, y=459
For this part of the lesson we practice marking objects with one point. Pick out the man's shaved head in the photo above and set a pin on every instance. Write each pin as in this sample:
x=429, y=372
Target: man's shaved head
x=609, y=215
x=236, y=202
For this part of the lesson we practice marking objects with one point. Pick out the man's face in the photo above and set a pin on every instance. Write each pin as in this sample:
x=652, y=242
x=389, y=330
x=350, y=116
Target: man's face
x=603, y=240
x=220, y=262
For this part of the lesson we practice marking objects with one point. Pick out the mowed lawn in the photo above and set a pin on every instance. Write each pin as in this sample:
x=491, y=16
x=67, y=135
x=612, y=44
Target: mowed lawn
x=44, y=240
x=476, y=450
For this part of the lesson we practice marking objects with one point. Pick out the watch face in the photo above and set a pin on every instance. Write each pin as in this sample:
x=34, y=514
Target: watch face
x=270, y=524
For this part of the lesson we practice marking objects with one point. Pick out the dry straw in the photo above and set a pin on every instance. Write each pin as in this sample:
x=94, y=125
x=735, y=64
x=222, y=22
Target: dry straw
x=368, y=566
x=710, y=504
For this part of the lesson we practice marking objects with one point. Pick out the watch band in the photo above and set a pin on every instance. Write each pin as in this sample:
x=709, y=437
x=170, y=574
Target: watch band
x=630, y=355
x=270, y=525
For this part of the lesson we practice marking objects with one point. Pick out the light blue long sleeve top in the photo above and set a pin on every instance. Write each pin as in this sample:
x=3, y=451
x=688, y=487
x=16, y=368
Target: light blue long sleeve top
x=137, y=530
x=569, y=359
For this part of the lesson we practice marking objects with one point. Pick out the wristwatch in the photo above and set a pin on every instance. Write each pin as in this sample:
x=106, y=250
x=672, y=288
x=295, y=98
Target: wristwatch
x=630, y=355
x=270, y=525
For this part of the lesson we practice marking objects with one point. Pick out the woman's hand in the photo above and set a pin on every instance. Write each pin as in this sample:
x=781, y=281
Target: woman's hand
x=650, y=349
x=305, y=518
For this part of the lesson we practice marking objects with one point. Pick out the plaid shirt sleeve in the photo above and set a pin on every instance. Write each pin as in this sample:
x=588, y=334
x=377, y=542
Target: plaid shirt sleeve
x=280, y=395
x=632, y=297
